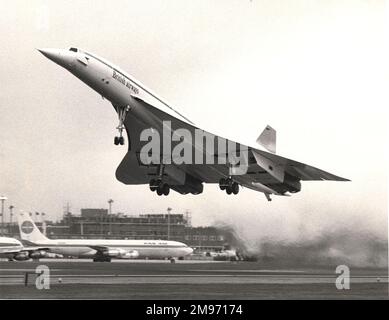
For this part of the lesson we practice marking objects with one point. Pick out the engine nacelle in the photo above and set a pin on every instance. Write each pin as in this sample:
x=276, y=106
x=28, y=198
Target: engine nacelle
x=293, y=183
x=21, y=256
x=193, y=185
x=113, y=252
x=38, y=254
x=133, y=254
x=53, y=255
x=121, y=253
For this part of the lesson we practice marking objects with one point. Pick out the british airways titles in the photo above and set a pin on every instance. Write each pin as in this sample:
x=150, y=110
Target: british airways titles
x=122, y=79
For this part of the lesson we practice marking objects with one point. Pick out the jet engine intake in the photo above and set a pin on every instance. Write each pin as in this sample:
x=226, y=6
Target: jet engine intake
x=21, y=256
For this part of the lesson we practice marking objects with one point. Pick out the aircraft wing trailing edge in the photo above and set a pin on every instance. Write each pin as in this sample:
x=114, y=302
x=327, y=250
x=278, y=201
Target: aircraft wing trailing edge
x=297, y=169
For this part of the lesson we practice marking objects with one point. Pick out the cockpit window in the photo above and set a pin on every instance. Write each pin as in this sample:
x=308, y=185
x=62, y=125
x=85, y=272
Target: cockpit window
x=73, y=49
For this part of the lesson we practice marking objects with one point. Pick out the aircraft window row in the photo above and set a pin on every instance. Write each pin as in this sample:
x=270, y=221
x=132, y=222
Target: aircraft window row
x=204, y=238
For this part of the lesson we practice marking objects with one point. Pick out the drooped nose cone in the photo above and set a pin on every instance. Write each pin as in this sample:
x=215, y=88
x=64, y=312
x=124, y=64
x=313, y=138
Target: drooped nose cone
x=59, y=56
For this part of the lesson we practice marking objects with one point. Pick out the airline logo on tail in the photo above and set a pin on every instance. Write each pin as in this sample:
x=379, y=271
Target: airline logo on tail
x=28, y=230
x=27, y=227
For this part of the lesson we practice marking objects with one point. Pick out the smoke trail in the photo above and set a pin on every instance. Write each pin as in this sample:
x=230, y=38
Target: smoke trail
x=329, y=248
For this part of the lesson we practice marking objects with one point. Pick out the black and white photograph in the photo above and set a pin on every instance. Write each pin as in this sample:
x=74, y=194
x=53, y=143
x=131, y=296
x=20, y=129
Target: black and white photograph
x=209, y=152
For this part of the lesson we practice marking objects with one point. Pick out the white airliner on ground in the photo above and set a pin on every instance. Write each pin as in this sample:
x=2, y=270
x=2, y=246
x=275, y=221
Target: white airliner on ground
x=12, y=249
x=143, y=114
x=102, y=249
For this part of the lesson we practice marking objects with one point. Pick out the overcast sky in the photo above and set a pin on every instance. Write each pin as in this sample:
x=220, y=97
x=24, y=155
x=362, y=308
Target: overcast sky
x=315, y=70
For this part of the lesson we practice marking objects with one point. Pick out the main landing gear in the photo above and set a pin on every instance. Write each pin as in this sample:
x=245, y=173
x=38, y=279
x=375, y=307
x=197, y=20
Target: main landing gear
x=122, y=113
x=101, y=259
x=158, y=185
x=229, y=186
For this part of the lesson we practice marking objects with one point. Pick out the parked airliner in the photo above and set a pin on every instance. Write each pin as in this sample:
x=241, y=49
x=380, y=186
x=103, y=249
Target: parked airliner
x=101, y=250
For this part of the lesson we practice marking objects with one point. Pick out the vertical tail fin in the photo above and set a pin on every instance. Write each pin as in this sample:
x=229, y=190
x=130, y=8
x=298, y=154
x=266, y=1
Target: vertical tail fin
x=268, y=139
x=28, y=230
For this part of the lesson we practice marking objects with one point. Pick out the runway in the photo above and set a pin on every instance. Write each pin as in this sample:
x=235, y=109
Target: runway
x=139, y=279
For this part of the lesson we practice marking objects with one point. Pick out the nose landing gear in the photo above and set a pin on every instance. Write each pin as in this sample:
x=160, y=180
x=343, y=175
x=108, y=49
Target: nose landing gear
x=122, y=113
x=119, y=140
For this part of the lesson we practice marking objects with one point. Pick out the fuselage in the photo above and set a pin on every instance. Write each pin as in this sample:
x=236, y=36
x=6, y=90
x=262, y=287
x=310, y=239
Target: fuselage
x=83, y=248
x=108, y=80
x=9, y=244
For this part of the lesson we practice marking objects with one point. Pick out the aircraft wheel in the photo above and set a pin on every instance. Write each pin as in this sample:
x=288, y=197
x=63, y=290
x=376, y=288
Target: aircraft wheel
x=121, y=140
x=116, y=141
x=222, y=183
x=159, y=192
x=165, y=189
x=229, y=190
x=235, y=188
x=153, y=185
x=101, y=259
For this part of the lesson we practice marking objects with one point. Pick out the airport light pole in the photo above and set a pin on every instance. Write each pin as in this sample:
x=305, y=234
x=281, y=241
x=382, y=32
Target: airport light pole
x=110, y=201
x=10, y=213
x=168, y=222
x=2, y=199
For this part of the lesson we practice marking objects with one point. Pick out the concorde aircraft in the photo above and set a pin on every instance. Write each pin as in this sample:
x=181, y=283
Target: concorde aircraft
x=168, y=151
x=101, y=250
